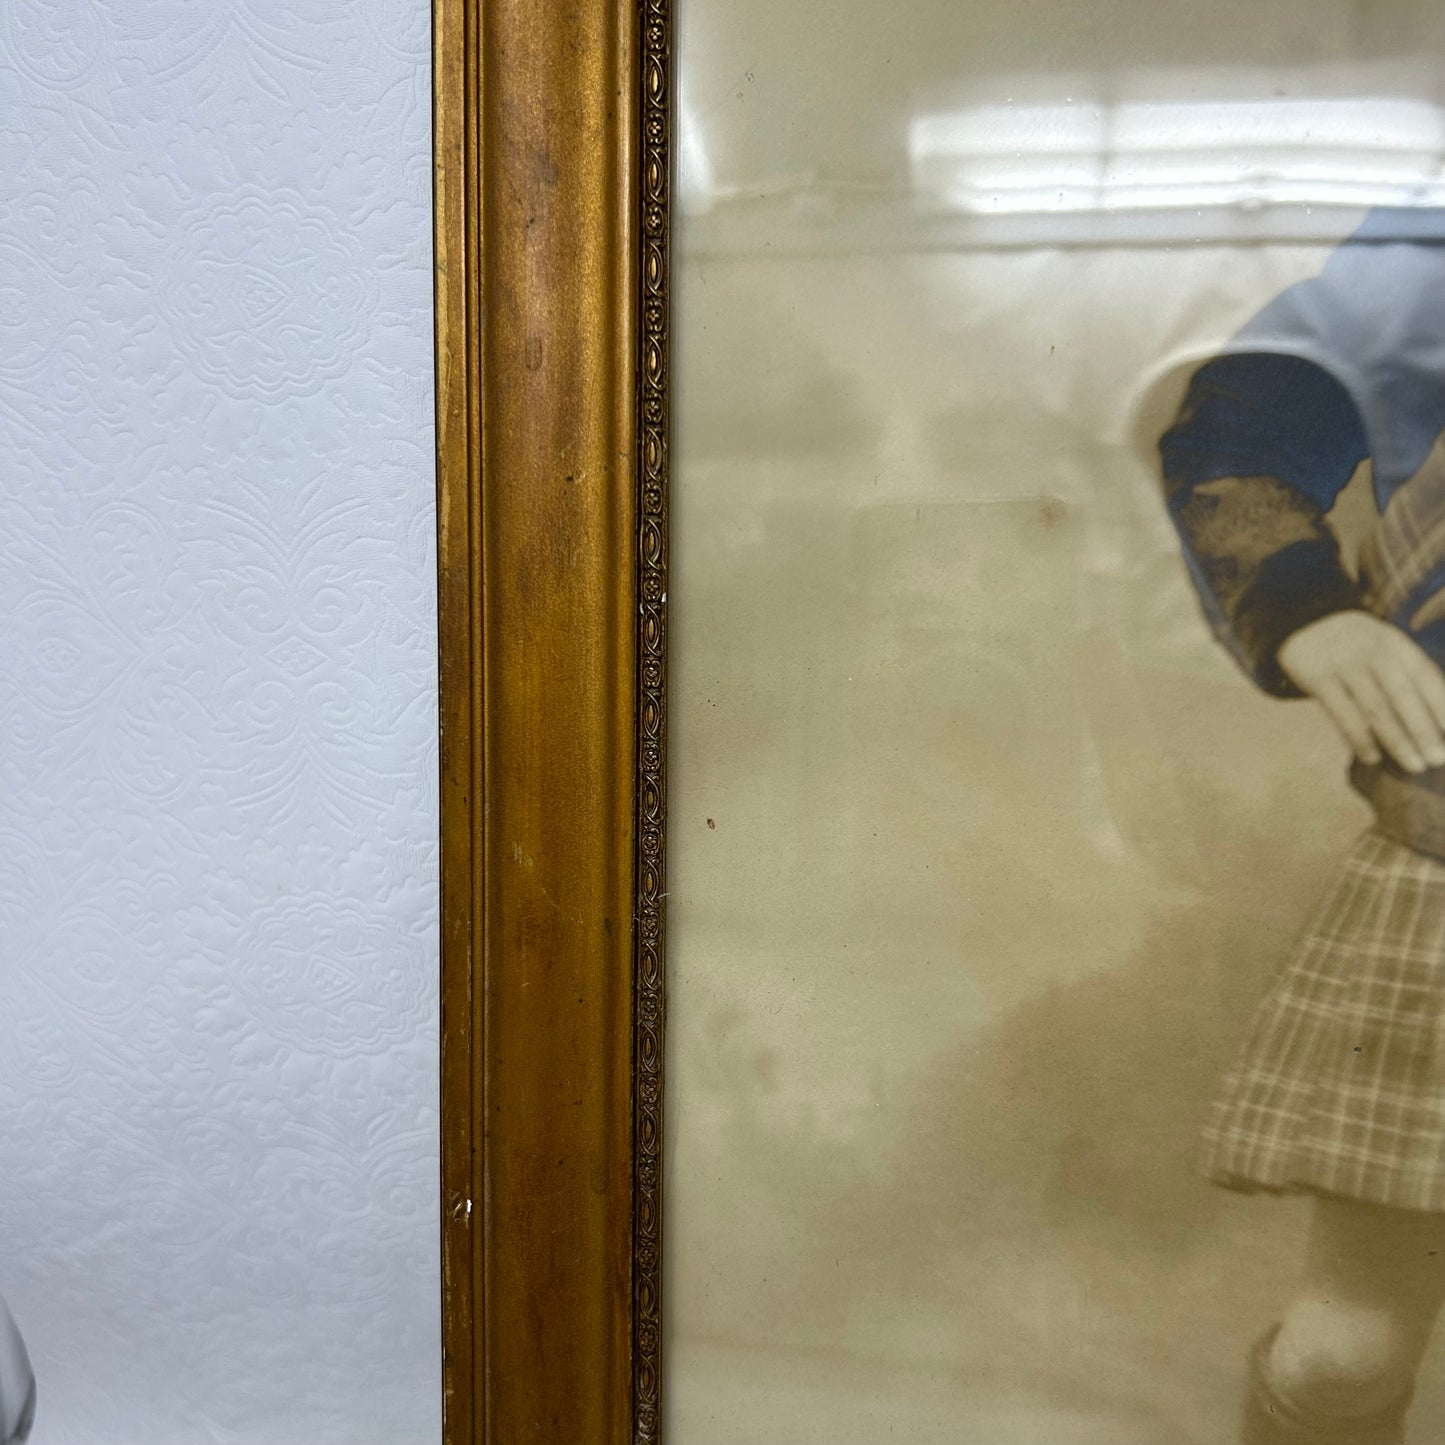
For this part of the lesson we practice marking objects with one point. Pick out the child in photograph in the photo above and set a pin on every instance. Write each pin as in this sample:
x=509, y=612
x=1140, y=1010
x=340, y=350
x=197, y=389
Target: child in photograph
x=1339, y=1090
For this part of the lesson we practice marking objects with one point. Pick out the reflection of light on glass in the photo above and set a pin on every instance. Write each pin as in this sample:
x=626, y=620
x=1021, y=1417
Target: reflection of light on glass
x=695, y=188
x=1017, y=159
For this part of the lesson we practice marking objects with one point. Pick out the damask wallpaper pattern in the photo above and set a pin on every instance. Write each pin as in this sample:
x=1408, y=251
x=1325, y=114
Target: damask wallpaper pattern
x=218, y=1002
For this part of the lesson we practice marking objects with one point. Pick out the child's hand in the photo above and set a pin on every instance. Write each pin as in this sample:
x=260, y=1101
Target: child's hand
x=1379, y=687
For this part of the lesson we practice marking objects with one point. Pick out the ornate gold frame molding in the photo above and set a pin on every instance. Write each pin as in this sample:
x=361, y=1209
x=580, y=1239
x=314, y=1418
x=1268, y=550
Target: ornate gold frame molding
x=552, y=203
x=653, y=475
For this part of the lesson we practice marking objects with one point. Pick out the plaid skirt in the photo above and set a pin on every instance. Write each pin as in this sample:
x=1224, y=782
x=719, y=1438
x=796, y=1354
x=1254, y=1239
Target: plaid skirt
x=1340, y=1086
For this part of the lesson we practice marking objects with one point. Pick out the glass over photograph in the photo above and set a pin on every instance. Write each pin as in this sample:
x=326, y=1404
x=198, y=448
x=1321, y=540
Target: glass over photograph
x=1057, y=771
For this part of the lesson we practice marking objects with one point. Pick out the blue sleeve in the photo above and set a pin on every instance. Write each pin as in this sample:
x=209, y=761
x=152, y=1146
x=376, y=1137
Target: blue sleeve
x=1263, y=445
x=1251, y=414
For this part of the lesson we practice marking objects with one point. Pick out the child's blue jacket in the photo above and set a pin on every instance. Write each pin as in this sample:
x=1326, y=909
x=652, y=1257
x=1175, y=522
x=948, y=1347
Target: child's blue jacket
x=1345, y=367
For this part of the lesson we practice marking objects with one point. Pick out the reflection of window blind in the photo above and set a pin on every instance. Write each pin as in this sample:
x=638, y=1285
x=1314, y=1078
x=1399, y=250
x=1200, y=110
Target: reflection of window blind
x=1032, y=159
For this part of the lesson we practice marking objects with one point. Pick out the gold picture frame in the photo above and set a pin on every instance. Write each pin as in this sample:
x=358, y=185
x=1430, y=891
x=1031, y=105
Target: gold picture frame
x=551, y=131
x=554, y=131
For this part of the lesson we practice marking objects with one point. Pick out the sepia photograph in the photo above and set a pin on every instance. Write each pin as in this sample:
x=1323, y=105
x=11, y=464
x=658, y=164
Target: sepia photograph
x=1056, y=951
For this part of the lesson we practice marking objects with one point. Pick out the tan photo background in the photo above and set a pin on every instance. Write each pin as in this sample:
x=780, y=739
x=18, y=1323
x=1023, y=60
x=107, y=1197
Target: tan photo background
x=981, y=848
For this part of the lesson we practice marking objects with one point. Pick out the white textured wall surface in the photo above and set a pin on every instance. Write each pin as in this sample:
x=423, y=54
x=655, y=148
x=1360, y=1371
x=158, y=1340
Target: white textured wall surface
x=218, y=1009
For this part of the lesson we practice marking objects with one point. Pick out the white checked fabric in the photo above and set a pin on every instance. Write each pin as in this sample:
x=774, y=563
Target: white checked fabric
x=1341, y=1084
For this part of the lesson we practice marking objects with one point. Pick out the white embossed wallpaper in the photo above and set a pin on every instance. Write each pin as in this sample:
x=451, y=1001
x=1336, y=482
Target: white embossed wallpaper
x=218, y=870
